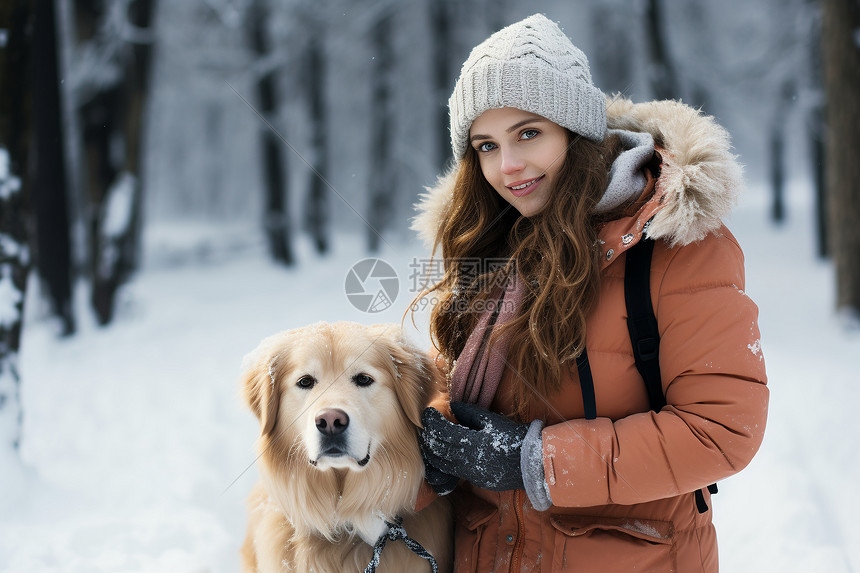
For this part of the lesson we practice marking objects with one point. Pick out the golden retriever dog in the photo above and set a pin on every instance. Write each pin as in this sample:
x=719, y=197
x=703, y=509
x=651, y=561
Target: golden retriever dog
x=339, y=406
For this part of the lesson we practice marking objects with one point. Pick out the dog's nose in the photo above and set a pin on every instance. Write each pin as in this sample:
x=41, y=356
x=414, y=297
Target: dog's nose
x=332, y=422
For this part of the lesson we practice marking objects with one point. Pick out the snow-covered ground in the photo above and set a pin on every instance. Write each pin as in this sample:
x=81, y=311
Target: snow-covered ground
x=139, y=453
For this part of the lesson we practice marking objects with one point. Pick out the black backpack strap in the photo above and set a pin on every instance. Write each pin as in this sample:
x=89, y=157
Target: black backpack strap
x=701, y=504
x=586, y=383
x=641, y=322
x=644, y=335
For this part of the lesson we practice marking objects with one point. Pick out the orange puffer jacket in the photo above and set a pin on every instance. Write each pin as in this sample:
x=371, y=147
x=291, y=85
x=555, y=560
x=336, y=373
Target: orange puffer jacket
x=622, y=485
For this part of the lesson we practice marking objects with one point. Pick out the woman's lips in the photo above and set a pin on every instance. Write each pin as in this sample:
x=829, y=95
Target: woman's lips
x=527, y=189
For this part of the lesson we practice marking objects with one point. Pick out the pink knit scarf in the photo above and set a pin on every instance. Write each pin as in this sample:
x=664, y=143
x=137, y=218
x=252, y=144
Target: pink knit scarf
x=478, y=370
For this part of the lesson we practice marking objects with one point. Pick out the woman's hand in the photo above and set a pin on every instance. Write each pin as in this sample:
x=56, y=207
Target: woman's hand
x=439, y=481
x=484, y=448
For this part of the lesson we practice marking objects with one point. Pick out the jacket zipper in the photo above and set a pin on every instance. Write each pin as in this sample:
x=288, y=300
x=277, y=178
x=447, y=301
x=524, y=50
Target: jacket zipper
x=520, y=543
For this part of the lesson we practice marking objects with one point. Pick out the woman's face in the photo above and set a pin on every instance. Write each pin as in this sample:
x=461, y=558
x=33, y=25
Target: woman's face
x=520, y=154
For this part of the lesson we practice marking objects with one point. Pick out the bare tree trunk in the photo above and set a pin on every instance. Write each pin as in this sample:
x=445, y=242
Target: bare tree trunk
x=141, y=15
x=612, y=62
x=383, y=169
x=777, y=151
x=16, y=17
x=111, y=120
x=664, y=79
x=443, y=76
x=841, y=57
x=277, y=218
x=498, y=14
x=316, y=211
x=815, y=126
x=696, y=91
x=777, y=173
x=50, y=194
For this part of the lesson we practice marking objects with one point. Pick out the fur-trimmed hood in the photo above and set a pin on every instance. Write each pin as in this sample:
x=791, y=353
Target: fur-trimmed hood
x=700, y=176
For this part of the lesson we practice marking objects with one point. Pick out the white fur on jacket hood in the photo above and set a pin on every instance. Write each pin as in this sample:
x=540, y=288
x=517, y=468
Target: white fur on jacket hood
x=700, y=175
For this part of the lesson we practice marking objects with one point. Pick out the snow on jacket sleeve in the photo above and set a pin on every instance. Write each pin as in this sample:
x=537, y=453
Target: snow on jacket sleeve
x=714, y=380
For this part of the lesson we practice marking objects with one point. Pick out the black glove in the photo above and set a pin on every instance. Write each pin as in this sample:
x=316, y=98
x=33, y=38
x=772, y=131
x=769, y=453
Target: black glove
x=442, y=483
x=484, y=448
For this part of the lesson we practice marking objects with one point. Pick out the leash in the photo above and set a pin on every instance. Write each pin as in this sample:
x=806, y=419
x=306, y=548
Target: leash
x=397, y=531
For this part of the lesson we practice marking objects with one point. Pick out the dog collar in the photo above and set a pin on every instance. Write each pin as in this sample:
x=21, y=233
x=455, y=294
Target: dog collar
x=397, y=531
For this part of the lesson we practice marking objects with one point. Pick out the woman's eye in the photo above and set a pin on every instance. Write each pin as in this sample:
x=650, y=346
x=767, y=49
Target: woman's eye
x=362, y=380
x=529, y=134
x=306, y=382
x=487, y=146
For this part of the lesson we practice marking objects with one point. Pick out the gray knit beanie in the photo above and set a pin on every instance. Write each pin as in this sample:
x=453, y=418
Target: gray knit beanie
x=532, y=66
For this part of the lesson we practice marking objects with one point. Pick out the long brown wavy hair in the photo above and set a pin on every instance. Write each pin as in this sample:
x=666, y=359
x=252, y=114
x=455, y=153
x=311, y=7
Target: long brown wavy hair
x=555, y=252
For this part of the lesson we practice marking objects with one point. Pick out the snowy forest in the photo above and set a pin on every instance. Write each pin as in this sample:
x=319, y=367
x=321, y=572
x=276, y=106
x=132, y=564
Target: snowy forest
x=179, y=179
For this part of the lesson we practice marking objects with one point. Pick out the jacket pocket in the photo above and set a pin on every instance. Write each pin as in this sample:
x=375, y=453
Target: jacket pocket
x=609, y=545
x=475, y=523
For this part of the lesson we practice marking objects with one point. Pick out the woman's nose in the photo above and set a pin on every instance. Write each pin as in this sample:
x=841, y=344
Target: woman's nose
x=511, y=161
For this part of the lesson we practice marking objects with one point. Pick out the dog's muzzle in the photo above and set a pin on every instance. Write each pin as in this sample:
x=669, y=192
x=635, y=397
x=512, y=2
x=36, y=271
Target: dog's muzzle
x=332, y=425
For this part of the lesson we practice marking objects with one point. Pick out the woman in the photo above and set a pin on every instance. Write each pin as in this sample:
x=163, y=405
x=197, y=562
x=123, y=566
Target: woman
x=562, y=463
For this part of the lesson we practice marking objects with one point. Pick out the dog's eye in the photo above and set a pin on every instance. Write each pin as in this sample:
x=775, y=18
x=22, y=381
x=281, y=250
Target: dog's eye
x=306, y=382
x=362, y=380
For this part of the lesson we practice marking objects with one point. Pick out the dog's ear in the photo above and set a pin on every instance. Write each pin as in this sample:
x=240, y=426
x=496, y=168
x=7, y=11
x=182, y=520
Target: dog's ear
x=415, y=380
x=259, y=383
